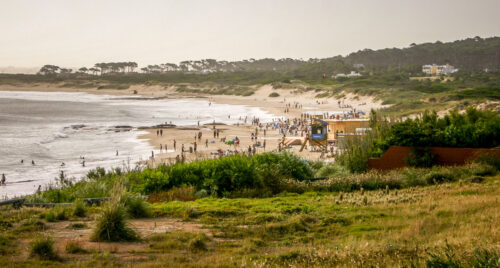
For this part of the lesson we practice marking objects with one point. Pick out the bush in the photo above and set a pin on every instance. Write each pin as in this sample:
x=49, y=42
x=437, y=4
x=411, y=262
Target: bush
x=481, y=169
x=57, y=213
x=198, y=243
x=112, y=225
x=420, y=157
x=73, y=247
x=136, y=207
x=274, y=95
x=448, y=258
x=489, y=159
x=439, y=176
x=43, y=248
x=183, y=193
x=79, y=209
x=332, y=170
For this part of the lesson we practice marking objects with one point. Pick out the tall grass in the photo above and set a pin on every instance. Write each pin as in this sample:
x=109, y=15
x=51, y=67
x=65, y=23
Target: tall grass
x=42, y=247
x=113, y=225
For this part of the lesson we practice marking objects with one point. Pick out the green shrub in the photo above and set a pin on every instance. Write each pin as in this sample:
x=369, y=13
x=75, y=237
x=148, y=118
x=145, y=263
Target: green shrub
x=489, y=159
x=42, y=247
x=112, y=225
x=332, y=170
x=198, y=243
x=274, y=95
x=73, y=247
x=439, y=176
x=136, y=207
x=420, y=157
x=449, y=258
x=30, y=226
x=476, y=179
x=7, y=245
x=79, y=208
x=57, y=213
x=481, y=170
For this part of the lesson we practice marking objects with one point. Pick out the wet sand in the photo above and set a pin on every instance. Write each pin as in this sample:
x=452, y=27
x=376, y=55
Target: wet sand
x=261, y=99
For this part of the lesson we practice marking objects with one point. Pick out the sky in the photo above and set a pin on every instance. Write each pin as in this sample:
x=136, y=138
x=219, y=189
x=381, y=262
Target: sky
x=74, y=33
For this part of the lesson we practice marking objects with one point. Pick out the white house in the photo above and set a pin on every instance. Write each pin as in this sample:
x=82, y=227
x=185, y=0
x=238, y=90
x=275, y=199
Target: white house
x=352, y=74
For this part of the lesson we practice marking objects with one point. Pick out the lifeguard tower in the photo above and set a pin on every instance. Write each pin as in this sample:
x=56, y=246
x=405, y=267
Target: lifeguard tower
x=318, y=138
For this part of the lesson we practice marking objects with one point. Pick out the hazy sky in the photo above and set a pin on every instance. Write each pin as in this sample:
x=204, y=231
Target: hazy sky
x=77, y=33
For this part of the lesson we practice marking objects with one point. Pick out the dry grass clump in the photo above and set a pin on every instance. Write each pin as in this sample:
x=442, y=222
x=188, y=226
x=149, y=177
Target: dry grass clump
x=113, y=225
x=42, y=247
x=74, y=247
x=176, y=193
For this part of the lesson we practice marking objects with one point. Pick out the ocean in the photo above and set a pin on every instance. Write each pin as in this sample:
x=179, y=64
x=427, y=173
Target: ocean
x=51, y=128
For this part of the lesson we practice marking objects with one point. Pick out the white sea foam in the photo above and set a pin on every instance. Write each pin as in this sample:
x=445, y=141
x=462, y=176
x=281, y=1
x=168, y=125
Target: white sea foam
x=55, y=127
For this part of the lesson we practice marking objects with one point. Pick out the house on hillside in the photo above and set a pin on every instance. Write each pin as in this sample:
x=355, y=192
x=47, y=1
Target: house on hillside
x=349, y=75
x=438, y=69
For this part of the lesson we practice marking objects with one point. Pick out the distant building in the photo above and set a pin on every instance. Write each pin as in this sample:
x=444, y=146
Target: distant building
x=438, y=69
x=352, y=74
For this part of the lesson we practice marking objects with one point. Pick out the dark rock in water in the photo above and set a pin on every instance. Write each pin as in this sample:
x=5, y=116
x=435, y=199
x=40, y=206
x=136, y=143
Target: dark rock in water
x=78, y=126
x=216, y=123
x=121, y=128
x=159, y=126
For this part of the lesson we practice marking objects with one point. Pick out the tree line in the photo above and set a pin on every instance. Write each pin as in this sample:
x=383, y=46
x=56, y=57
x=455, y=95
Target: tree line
x=469, y=55
x=98, y=68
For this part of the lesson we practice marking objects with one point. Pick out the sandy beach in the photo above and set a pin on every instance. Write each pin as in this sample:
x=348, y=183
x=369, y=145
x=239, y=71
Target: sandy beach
x=207, y=146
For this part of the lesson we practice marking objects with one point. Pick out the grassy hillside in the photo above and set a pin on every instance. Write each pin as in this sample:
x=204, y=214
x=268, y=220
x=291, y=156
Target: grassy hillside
x=446, y=225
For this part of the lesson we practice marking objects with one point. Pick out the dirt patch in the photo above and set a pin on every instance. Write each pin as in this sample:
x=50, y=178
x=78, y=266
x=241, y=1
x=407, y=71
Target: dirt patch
x=63, y=233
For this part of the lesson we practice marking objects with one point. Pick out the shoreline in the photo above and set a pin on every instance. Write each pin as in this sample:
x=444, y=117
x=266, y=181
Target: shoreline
x=185, y=134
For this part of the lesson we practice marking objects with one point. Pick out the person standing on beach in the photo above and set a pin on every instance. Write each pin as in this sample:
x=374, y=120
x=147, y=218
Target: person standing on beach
x=157, y=133
x=175, y=145
x=161, y=132
x=206, y=143
x=32, y=162
x=116, y=152
x=3, y=179
x=182, y=148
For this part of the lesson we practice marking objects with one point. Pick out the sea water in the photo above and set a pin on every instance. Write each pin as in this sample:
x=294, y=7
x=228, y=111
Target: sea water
x=51, y=128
